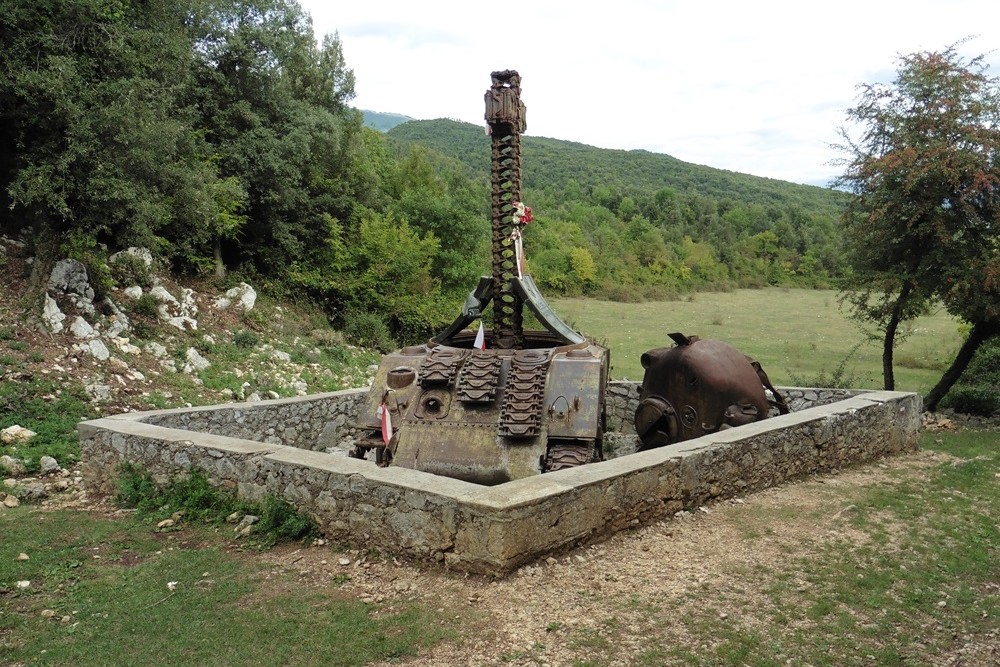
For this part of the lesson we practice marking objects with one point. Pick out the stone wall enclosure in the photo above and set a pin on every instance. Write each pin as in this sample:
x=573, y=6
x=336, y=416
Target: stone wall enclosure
x=282, y=448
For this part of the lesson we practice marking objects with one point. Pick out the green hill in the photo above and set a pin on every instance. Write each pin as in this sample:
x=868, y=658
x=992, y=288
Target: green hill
x=553, y=163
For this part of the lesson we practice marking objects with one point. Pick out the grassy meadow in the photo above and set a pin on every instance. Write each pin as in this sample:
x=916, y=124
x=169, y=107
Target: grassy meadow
x=796, y=334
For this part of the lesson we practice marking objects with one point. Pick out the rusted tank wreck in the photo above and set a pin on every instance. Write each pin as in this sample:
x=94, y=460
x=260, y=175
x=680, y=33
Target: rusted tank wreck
x=508, y=403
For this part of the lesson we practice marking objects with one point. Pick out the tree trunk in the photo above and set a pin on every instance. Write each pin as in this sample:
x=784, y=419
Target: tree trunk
x=220, y=268
x=981, y=332
x=889, y=342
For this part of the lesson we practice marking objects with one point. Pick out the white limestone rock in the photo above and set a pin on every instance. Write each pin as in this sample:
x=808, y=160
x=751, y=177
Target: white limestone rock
x=156, y=349
x=125, y=346
x=52, y=317
x=182, y=323
x=16, y=434
x=81, y=328
x=243, y=296
x=14, y=466
x=195, y=362
x=98, y=392
x=48, y=465
x=133, y=292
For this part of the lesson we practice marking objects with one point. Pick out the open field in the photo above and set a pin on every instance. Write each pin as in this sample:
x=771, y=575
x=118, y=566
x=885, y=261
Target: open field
x=794, y=333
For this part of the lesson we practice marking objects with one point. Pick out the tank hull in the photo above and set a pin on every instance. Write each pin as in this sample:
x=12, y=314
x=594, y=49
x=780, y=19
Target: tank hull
x=488, y=415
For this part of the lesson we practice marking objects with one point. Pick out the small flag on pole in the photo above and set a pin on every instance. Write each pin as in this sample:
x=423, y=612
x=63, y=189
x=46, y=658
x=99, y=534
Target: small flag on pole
x=386, y=419
x=480, y=343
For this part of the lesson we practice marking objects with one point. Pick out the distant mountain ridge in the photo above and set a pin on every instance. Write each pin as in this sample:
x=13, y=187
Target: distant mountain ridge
x=381, y=121
x=554, y=162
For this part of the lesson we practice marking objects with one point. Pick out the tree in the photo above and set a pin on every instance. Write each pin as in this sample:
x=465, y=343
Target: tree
x=924, y=169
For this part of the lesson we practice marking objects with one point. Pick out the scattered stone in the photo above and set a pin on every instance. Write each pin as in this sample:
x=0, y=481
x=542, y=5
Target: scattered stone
x=52, y=317
x=66, y=619
x=95, y=348
x=16, y=434
x=242, y=295
x=245, y=526
x=47, y=613
x=60, y=485
x=98, y=392
x=195, y=362
x=48, y=465
x=23, y=556
x=12, y=465
x=156, y=349
x=273, y=395
x=133, y=292
x=234, y=517
x=35, y=491
x=161, y=294
x=254, y=398
x=81, y=328
x=344, y=561
x=183, y=323
x=24, y=584
x=166, y=523
x=281, y=356
x=11, y=501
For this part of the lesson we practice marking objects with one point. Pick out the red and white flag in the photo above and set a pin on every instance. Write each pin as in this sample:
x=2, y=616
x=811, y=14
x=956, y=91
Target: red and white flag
x=480, y=343
x=386, y=419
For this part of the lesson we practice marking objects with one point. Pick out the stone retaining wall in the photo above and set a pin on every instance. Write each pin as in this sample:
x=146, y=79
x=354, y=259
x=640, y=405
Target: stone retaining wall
x=316, y=422
x=492, y=530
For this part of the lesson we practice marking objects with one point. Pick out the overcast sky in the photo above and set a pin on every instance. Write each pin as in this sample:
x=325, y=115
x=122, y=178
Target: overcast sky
x=754, y=87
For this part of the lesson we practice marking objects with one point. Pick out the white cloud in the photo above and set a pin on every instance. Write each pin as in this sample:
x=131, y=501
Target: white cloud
x=757, y=88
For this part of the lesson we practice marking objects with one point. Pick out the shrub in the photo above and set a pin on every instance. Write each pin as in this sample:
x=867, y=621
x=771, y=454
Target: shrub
x=972, y=400
x=147, y=306
x=368, y=330
x=245, y=339
x=128, y=270
x=978, y=390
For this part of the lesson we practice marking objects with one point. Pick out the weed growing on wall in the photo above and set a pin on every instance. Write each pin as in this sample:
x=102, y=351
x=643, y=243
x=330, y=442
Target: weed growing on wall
x=193, y=498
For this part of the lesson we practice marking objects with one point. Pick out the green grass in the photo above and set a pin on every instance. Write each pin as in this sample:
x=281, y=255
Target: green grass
x=110, y=578
x=50, y=410
x=794, y=333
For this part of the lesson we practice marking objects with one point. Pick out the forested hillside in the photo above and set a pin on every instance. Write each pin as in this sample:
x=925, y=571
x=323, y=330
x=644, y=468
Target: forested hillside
x=629, y=224
x=220, y=136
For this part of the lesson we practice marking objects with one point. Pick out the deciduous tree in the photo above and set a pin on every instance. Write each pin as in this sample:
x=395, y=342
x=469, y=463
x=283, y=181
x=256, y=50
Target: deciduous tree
x=922, y=163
